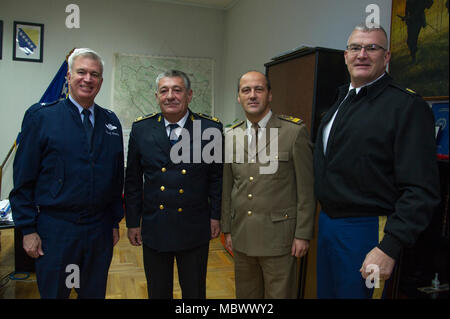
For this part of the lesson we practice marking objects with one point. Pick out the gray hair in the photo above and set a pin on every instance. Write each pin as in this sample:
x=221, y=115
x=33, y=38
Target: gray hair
x=85, y=52
x=364, y=28
x=174, y=74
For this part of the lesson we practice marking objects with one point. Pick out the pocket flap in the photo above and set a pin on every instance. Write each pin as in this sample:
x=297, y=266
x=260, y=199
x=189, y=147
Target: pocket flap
x=284, y=214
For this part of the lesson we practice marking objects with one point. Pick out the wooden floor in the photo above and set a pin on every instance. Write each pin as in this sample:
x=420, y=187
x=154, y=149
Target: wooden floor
x=126, y=275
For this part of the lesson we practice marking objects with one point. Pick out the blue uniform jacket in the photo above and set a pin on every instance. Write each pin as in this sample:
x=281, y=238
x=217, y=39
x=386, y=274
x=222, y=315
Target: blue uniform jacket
x=54, y=172
x=174, y=202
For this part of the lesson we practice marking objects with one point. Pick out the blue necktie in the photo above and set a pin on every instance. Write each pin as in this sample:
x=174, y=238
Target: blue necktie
x=173, y=137
x=88, y=127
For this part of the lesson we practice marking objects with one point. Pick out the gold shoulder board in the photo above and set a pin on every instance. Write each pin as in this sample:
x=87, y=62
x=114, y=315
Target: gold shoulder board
x=291, y=119
x=215, y=119
x=140, y=118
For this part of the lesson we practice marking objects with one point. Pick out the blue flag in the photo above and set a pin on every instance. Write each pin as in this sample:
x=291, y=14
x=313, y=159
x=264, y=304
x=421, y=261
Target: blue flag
x=58, y=88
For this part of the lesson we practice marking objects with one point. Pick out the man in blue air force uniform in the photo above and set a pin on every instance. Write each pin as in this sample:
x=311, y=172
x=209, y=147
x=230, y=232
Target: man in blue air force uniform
x=173, y=208
x=68, y=180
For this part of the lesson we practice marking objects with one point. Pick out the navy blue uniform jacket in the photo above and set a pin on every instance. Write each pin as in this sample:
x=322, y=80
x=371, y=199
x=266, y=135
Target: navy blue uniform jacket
x=174, y=202
x=54, y=172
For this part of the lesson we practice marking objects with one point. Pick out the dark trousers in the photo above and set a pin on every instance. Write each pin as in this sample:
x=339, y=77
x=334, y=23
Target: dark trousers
x=191, y=265
x=75, y=256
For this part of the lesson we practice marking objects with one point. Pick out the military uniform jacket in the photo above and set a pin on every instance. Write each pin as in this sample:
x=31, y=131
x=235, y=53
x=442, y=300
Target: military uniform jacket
x=55, y=173
x=264, y=212
x=172, y=202
x=380, y=161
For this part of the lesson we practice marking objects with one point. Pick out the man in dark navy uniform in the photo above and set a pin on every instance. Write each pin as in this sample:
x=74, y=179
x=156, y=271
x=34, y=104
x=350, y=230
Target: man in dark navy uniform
x=68, y=180
x=173, y=207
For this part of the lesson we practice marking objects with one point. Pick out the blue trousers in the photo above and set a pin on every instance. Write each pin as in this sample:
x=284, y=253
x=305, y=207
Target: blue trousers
x=343, y=244
x=74, y=255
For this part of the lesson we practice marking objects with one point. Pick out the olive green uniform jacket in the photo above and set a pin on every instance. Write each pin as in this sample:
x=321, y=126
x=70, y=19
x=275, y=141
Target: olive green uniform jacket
x=264, y=212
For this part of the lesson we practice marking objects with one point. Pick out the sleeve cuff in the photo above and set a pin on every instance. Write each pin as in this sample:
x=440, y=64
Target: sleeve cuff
x=391, y=246
x=28, y=230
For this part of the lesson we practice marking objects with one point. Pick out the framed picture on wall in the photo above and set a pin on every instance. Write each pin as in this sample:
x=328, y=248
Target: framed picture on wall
x=1, y=38
x=419, y=46
x=28, y=41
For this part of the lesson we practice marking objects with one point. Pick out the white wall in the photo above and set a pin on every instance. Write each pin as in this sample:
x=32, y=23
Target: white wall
x=241, y=38
x=108, y=26
x=257, y=30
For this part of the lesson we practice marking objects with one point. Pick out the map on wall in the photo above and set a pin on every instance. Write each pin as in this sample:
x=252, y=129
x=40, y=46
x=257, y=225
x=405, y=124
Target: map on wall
x=134, y=84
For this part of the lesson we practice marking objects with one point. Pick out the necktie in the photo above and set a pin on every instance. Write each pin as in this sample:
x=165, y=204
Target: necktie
x=340, y=113
x=253, y=147
x=88, y=126
x=173, y=137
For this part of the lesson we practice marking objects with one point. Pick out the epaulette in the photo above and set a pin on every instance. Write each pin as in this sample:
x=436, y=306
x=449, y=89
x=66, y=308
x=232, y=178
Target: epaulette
x=406, y=90
x=140, y=118
x=48, y=103
x=215, y=119
x=236, y=125
x=291, y=119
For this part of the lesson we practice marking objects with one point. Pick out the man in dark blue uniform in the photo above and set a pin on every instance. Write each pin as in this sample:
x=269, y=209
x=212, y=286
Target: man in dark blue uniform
x=68, y=180
x=173, y=207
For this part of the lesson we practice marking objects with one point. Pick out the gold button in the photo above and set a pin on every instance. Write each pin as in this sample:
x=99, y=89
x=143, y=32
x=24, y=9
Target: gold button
x=249, y=213
x=276, y=156
x=183, y=172
x=251, y=178
x=163, y=169
x=180, y=210
x=161, y=207
x=250, y=196
x=286, y=216
x=162, y=188
x=181, y=191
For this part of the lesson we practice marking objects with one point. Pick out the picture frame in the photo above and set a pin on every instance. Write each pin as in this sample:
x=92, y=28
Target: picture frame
x=1, y=39
x=28, y=41
x=419, y=47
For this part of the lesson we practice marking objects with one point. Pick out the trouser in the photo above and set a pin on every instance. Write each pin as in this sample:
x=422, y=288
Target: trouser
x=75, y=256
x=342, y=246
x=270, y=277
x=191, y=264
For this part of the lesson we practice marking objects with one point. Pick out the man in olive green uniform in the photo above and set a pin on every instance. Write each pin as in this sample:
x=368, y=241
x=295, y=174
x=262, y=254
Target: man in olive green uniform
x=268, y=201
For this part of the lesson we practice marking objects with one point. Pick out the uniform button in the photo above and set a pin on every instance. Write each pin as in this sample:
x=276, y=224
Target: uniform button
x=161, y=207
x=181, y=191
x=163, y=169
x=286, y=216
x=252, y=160
x=162, y=188
x=249, y=213
x=183, y=171
x=276, y=157
x=250, y=196
x=180, y=210
x=251, y=178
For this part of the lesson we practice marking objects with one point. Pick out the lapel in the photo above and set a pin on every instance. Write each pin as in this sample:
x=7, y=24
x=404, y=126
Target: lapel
x=99, y=130
x=158, y=130
x=274, y=122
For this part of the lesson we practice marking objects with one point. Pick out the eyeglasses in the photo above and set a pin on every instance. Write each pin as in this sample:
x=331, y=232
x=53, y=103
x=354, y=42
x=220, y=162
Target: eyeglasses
x=370, y=48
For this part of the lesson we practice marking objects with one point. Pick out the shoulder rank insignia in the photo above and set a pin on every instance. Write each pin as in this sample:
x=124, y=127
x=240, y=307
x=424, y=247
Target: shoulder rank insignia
x=236, y=125
x=140, y=118
x=215, y=119
x=49, y=103
x=411, y=91
x=289, y=118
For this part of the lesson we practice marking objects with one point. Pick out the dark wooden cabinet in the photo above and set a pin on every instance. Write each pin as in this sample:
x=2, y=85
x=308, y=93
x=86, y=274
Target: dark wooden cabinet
x=304, y=84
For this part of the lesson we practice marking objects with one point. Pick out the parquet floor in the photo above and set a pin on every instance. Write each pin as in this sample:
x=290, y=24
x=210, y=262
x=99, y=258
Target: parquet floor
x=126, y=275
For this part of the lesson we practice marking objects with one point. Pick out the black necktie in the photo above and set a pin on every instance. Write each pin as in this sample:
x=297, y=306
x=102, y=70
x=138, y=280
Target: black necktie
x=340, y=113
x=88, y=126
x=173, y=137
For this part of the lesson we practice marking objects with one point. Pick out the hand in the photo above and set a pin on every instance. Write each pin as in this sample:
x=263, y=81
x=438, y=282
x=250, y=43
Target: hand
x=215, y=228
x=384, y=262
x=134, y=235
x=228, y=242
x=32, y=245
x=116, y=236
x=299, y=247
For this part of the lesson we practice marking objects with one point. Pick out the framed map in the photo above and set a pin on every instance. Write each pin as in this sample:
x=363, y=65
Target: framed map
x=134, y=84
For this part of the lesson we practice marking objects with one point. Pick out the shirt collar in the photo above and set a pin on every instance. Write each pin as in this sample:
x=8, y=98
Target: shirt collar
x=80, y=108
x=263, y=122
x=180, y=122
x=367, y=84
